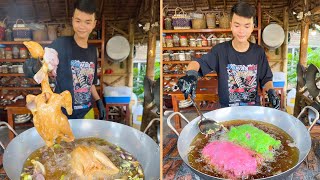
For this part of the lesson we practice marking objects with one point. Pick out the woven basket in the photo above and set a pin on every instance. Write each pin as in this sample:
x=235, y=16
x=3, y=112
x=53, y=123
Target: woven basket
x=2, y=29
x=224, y=21
x=181, y=20
x=199, y=23
x=21, y=32
x=211, y=20
x=40, y=34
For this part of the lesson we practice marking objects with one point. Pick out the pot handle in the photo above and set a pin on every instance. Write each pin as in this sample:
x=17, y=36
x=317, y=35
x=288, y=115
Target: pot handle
x=315, y=111
x=10, y=128
x=150, y=123
x=169, y=121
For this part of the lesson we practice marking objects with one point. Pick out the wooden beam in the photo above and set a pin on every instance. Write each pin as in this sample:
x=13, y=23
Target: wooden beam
x=274, y=18
x=101, y=9
x=118, y=30
x=151, y=52
x=50, y=13
x=130, y=58
x=35, y=12
x=66, y=2
x=285, y=48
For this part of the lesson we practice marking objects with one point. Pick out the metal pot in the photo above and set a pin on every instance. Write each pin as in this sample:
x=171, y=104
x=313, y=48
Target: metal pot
x=293, y=126
x=137, y=143
x=273, y=36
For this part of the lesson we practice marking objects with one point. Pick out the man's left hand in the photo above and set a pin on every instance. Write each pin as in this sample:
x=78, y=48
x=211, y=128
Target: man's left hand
x=102, y=110
x=274, y=99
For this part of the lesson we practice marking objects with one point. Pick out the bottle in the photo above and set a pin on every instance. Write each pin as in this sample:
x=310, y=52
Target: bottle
x=291, y=100
x=137, y=116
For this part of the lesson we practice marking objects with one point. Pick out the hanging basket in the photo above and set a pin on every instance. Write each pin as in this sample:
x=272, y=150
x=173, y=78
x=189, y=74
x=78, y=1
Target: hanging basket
x=224, y=21
x=181, y=20
x=211, y=20
x=21, y=32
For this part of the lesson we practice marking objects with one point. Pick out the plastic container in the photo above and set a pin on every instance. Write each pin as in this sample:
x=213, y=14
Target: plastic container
x=279, y=79
x=119, y=94
x=137, y=116
x=291, y=96
x=169, y=41
x=183, y=41
x=192, y=42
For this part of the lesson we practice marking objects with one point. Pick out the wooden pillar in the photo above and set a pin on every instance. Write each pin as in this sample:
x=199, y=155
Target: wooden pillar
x=152, y=38
x=130, y=58
x=305, y=23
x=285, y=49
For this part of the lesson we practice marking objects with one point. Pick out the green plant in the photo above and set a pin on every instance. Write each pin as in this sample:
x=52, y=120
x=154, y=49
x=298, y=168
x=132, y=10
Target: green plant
x=313, y=58
x=138, y=77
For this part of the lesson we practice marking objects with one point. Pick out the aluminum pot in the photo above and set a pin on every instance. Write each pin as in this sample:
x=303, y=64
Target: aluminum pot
x=293, y=126
x=140, y=145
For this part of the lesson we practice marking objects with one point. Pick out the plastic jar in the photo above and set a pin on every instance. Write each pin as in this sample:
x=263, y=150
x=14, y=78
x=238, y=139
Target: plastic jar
x=188, y=56
x=183, y=41
x=176, y=42
x=204, y=43
x=2, y=53
x=4, y=68
x=15, y=52
x=169, y=41
x=8, y=51
x=23, y=52
x=167, y=23
x=165, y=57
x=209, y=42
x=199, y=42
x=176, y=56
x=192, y=42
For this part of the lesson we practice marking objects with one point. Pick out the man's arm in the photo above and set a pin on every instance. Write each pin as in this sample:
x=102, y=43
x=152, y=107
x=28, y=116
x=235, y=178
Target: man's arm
x=94, y=93
x=193, y=65
x=267, y=86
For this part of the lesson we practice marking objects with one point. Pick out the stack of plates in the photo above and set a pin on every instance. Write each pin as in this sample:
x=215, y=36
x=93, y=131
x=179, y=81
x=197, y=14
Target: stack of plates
x=185, y=103
x=22, y=118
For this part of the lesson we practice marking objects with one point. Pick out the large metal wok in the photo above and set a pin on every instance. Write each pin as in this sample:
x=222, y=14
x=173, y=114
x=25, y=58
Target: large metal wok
x=137, y=143
x=293, y=126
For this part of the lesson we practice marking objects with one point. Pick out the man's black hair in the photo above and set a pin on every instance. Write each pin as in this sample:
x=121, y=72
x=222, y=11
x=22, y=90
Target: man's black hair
x=243, y=9
x=87, y=6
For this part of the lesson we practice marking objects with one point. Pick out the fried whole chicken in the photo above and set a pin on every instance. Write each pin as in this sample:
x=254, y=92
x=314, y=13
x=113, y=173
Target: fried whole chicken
x=90, y=163
x=48, y=119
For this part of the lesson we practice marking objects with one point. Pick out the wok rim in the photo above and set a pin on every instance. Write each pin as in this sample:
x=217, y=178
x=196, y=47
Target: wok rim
x=197, y=119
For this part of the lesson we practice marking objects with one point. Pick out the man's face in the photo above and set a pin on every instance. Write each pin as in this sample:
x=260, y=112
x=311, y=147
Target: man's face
x=83, y=23
x=241, y=27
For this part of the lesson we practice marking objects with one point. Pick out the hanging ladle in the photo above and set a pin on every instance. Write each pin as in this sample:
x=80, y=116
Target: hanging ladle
x=207, y=126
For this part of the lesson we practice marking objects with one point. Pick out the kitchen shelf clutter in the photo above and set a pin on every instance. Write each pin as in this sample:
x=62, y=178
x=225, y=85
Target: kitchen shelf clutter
x=190, y=35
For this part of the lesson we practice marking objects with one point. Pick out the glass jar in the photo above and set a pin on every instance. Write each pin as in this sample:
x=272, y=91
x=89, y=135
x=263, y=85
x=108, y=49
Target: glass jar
x=192, y=42
x=169, y=41
x=182, y=56
x=167, y=23
x=23, y=52
x=8, y=36
x=2, y=52
x=192, y=53
x=214, y=41
x=204, y=43
x=8, y=51
x=15, y=52
x=188, y=56
x=5, y=68
x=176, y=42
x=165, y=57
x=183, y=41
x=221, y=40
x=198, y=54
x=209, y=42
x=199, y=42
x=176, y=56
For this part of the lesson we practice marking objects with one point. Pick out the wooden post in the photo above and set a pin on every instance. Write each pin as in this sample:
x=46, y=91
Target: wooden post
x=130, y=58
x=285, y=50
x=305, y=23
x=152, y=38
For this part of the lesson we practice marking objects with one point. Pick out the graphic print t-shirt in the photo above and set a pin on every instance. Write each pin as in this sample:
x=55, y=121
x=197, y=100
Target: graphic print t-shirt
x=238, y=72
x=76, y=73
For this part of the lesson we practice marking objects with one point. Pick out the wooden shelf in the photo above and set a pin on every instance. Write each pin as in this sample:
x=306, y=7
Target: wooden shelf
x=20, y=88
x=180, y=75
x=217, y=30
x=11, y=74
x=12, y=60
x=95, y=41
x=185, y=48
x=176, y=62
x=21, y=42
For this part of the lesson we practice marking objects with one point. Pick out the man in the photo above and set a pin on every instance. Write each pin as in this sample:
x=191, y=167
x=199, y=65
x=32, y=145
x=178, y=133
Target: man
x=241, y=66
x=77, y=68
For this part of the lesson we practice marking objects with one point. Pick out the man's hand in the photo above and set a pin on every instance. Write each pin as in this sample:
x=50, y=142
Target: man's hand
x=31, y=67
x=188, y=84
x=102, y=109
x=51, y=58
x=274, y=99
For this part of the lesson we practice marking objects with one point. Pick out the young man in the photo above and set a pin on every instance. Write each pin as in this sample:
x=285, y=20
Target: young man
x=241, y=66
x=77, y=68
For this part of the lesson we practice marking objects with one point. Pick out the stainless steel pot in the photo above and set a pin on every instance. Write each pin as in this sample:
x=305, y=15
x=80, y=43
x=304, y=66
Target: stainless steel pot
x=137, y=143
x=293, y=126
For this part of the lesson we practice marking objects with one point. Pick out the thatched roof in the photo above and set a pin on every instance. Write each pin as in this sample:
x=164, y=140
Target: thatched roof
x=272, y=8
x=117, y=12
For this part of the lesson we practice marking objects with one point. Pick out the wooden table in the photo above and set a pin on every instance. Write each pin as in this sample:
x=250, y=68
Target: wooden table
x=17, y=108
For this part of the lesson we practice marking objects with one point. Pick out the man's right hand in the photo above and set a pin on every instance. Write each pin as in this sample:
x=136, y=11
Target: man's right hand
x=31, y=67
x=188, y=84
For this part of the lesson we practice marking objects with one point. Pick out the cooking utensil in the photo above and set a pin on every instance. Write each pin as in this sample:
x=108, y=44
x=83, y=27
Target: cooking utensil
x=135, y=142
x=118, y=48
x=206, y=125
x=293, y=126
x=273, y=36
